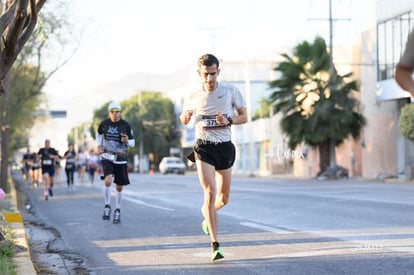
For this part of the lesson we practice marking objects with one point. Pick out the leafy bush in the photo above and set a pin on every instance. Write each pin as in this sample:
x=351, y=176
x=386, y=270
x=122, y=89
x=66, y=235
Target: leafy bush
x=407, y=121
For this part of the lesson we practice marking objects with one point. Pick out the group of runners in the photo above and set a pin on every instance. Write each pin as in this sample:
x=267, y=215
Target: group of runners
x=214, y=107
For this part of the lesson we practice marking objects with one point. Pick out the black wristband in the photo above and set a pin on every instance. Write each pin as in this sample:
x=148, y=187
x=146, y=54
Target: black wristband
x=230, y=121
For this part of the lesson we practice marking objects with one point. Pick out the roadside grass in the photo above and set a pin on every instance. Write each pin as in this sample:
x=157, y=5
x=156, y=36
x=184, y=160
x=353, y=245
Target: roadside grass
x=7, y=241
x=7, y=251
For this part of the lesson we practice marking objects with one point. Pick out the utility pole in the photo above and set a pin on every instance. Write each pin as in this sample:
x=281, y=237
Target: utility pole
x=332, y=142
x=213, y=36
x=249, y=116
x=331, y=21
x=331, y=66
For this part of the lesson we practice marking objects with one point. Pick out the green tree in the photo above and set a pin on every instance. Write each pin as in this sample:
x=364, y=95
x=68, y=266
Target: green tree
x=18, y=20
x=26, y=97
x=22, y=55
x=319, y=109
x=264, y=109
x=34, y=67
x=77, y=136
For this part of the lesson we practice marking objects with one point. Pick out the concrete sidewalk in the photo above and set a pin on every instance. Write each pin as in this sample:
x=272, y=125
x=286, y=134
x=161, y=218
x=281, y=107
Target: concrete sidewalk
x=10, y=214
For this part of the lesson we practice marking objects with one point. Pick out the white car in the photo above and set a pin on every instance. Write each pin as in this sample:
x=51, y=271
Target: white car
x=172, y=165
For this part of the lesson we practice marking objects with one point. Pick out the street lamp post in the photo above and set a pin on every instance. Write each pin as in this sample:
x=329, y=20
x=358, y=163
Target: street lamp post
x=249, y=117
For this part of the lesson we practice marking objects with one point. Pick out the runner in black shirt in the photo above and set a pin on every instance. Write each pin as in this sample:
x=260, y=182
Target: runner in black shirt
x=113, y=137
x=27, y=165
x=47, y=157
x=70, y=166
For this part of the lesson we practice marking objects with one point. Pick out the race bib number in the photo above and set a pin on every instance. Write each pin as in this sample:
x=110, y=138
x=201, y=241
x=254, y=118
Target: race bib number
x=47, y=162
x=108, y=156
x=209, y=123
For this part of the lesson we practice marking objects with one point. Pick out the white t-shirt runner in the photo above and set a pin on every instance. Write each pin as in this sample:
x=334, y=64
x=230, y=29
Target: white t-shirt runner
x=206, y=105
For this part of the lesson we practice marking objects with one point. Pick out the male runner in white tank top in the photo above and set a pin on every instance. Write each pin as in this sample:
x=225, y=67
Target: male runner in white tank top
x=215, y=107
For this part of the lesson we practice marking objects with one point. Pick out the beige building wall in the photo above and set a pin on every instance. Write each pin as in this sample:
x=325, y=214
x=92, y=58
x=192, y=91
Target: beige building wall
x=384, y=151
x=307, y=167
x=348, y=155
x=380, y=135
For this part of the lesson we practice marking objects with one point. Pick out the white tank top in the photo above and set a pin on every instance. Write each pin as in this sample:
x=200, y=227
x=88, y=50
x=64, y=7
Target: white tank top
x=205, y=106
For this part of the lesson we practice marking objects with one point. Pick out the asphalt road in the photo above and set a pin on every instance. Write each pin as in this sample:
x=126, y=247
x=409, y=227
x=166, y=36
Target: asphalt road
x=271, y=226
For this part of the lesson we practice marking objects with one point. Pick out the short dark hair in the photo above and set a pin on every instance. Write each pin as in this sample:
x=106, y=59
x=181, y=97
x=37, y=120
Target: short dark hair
x=208, y=60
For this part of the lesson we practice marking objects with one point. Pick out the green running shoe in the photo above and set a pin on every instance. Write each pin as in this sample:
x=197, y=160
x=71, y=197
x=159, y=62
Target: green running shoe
x=204, y=226
x=217, y=255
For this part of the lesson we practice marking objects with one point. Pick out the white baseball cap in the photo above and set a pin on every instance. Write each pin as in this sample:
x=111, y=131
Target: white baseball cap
x=114, y=106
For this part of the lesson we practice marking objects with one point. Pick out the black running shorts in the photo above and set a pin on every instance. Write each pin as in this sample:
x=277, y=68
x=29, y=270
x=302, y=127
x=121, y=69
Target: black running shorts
x=221, y=155
x=48, y=170
x=120, y=171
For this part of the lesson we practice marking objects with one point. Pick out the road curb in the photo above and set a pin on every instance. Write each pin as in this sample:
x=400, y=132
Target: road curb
x=22, y=260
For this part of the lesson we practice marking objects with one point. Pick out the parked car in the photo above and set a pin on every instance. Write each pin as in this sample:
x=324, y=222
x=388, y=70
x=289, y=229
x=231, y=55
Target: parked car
x=172, y=165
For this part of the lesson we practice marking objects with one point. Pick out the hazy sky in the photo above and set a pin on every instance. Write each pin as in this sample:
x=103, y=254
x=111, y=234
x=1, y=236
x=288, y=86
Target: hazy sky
x=163, y=36
x=160, y=36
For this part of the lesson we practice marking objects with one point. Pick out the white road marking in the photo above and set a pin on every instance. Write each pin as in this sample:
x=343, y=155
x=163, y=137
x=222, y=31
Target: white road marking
x=264, y=227
x=148, y=204
x=137, y=201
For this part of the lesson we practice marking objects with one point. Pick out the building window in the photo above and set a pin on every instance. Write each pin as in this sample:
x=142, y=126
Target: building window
x=392, y=35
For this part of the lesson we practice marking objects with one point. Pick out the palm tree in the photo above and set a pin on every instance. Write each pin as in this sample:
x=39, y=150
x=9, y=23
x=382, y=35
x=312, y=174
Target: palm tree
x=319, y=108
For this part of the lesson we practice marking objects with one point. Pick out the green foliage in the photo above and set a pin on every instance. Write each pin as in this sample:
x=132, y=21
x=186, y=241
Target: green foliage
x=25, y=96
x=6, y=250
x=78, y=136
x=264, y=109
x=53, y=37
x=27, y=75
x=6, y=247
x=407, y=121
x=315, y=106
x=152, y=119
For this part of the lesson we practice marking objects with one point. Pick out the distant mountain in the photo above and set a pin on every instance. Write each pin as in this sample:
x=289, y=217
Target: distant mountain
x=134, y=83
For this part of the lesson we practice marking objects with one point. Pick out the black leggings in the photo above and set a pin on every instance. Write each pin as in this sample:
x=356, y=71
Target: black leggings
x=92, y=174
x=69, y=175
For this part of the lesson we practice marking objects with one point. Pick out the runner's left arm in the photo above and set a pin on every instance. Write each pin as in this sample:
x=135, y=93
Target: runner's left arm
x=131, y=140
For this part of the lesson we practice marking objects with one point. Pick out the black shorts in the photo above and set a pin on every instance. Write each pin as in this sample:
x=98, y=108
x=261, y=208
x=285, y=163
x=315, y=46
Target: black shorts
x=48, y=170
x=119, y=171
x=221, y=155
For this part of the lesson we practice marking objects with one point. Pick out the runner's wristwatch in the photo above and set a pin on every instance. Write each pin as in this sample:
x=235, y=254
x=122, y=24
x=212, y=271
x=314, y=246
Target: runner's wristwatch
x=230, y=121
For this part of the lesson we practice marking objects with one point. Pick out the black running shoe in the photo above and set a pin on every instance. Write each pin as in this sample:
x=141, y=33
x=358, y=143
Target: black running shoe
x=107, y=213
x=117, y=216
x=50, y=192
